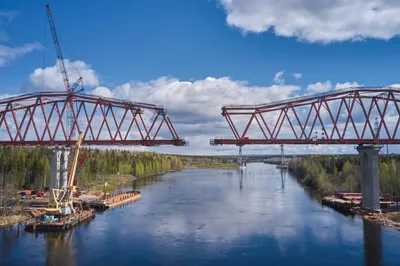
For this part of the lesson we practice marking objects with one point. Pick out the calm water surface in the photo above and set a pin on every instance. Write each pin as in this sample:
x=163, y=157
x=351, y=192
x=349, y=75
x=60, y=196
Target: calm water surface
x=212, y=217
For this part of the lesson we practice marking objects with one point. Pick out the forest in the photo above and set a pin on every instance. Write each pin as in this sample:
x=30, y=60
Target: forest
x=29, y=168
x=208, y=162
x=329, y=173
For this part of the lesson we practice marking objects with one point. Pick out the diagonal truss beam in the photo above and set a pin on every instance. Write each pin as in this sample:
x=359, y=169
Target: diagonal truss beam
x=39, y=119
x=345, y=116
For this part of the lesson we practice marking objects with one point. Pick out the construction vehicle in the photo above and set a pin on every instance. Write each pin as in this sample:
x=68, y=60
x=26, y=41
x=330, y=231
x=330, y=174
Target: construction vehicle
x=60, y=200
x=37, y=193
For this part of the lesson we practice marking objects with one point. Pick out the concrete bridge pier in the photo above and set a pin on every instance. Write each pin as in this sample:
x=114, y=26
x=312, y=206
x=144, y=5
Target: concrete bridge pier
x=59, y=169
x=369, y=177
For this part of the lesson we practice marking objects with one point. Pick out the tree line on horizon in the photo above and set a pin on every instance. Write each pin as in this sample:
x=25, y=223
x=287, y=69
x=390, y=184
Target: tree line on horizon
x=29, y=167
x=329, y=173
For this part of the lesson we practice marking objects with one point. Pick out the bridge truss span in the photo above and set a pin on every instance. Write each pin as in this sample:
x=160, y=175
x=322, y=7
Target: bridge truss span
x=362, y=115
x=39, y=119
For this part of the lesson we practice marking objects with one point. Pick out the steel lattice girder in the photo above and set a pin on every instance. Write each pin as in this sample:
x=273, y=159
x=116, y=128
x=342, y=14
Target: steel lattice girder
x=343, y=116
x=40, y=119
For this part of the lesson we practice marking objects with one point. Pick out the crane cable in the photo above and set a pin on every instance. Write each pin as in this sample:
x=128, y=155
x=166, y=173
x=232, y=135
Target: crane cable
x=44, y=50
x=44, y=60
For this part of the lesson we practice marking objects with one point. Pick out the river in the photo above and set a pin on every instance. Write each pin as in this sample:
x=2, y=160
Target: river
x=212, y=217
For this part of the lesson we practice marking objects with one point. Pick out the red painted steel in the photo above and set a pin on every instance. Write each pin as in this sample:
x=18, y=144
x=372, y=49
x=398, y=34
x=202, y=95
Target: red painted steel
x=39, y=119
x=342, y=116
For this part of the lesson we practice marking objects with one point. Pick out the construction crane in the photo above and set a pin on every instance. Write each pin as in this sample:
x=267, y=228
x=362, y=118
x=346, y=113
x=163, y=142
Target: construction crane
x=60, y=202
x=63, y=69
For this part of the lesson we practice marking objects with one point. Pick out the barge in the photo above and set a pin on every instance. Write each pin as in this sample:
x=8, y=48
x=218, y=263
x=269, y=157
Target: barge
x=114, y=201
x=347, y=202
x=62, y=211
x=59, y=223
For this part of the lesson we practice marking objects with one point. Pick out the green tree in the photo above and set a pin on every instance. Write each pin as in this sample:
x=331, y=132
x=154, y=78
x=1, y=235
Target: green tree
x=383, y=176
x=350, y=181
x=392, y=175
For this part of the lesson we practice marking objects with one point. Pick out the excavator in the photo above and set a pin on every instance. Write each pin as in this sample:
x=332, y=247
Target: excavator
x=60, y=200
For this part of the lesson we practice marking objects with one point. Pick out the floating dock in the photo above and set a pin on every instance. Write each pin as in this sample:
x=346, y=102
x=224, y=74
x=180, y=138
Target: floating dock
x=339, y=204
x=346, y=202
x=114, y=201
x=60, y=224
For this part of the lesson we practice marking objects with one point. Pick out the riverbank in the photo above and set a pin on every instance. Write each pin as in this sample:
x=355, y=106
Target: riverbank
x=114, y=182
x=222, y=166
x=10, y=220
x=315, y=172
x=207, y=162
x=312, y=174
x=385, y=219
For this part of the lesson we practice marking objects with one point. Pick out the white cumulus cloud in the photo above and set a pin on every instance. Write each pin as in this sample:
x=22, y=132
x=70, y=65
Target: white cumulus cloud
x=201, y=99
x=347, y=85
x=9, y=54
x=51, y=78
x=278, y=77
x=298, y=75
x=103, y=92
x=195, y=106
x=320, y=87
x=317, y=20
x=8, y=15
x=327, y=86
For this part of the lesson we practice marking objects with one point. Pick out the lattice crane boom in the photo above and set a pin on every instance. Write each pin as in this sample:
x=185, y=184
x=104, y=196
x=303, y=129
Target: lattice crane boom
x=60, y=58
x=63, y=69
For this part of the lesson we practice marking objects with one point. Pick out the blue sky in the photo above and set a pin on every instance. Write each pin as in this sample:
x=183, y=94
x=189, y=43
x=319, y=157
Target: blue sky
x=189, y=40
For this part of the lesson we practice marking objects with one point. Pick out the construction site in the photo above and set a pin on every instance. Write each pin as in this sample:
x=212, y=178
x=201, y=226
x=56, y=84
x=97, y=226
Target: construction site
x=64, y=122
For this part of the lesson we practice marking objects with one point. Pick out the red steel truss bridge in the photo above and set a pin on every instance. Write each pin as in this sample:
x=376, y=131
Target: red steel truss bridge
x=362, y=115
x=40, y=119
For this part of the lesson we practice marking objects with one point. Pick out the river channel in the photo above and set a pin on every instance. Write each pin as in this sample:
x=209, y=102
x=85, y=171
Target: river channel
x=212, y=217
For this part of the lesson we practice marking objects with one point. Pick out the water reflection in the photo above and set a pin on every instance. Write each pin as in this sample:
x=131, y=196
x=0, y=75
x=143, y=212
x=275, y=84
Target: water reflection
x=145, y=181
x=372, y=243
x=9, y=239
x=226, y=214
x=241, y=172
x=59, y=248
x=283, y=178
x=213, y=217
